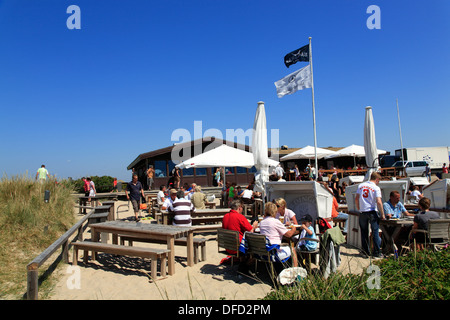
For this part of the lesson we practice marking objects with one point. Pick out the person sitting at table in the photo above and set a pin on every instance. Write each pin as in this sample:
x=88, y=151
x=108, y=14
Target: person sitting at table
x=338, y=214
x=416, y=193
x=182, y=210
x=393, y=208
x=274, y=230
x=235, y=220
x=172, y=197
x=247, y=195
x=199, y=198
x=282, y=211
x=239, y=192
x=421, y=222
x=160, y=198
x=307, y=231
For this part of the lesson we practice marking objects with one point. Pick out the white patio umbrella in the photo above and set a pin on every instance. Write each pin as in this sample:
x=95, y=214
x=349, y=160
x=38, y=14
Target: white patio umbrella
x=308, y=153
x=352, y=151
x=222, y=156
x=370, y=144
x=259, y=149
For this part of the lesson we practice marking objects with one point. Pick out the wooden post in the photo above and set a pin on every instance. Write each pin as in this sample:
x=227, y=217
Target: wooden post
x=32, y=282
x=65, y=252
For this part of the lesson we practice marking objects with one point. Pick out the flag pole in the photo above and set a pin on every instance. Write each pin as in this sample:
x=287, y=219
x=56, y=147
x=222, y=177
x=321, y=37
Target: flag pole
x=400, y=129
x=313, y=109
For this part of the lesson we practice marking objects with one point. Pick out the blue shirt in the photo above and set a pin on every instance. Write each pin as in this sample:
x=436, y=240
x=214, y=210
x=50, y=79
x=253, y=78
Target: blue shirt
x=310, y=245
x=395, y=211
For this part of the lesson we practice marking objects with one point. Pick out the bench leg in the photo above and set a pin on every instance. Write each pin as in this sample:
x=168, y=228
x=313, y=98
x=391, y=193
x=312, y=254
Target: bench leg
x=75, y=256
x=163, y=265
x=154, y=266
x=203, y=251
x=195, y=254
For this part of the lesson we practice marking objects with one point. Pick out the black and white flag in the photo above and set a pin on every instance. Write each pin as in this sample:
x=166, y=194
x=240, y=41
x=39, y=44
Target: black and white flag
x=295, y=56
x=298, y=80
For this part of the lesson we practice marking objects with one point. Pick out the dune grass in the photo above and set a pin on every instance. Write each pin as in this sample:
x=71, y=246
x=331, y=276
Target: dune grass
x=29, y=225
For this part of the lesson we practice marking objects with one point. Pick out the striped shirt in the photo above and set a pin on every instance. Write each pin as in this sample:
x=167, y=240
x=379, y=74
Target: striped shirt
x=182, y=210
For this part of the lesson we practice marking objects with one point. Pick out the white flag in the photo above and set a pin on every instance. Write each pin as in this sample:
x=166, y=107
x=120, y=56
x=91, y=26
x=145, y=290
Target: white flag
x=298, y=80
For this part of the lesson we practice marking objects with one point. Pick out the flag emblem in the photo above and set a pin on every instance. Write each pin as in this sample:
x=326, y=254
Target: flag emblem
x=295, y=56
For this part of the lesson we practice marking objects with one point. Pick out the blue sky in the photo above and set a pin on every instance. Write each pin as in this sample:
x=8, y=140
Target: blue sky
x=89, y=101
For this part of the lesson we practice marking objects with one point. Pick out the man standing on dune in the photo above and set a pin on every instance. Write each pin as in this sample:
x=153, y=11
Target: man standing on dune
x=42, y=174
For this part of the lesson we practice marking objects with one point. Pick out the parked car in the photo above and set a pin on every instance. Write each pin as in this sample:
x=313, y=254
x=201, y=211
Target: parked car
x=412, y=168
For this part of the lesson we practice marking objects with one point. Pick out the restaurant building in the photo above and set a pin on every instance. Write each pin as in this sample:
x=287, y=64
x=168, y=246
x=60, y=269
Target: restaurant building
x=161, y=160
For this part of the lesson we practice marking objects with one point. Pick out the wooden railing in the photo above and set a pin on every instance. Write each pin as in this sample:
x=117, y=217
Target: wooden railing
x=64, y=243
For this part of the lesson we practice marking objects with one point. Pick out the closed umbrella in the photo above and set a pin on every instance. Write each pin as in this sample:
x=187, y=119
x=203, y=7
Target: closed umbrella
x=370, y=144
x=259, y=149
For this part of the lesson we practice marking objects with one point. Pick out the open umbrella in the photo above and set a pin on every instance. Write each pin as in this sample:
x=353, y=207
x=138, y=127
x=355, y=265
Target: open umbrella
x=308, y=153
x=370, y=144
x=222, y=156
x=259, y=149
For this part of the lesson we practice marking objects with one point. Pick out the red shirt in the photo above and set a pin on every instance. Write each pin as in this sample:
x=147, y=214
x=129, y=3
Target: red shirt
x=335, y=207
x=236, y=221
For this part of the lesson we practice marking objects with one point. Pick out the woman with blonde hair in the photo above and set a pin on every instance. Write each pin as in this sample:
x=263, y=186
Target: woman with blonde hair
x=274, y=230
x=198, y=199
x=282, y=211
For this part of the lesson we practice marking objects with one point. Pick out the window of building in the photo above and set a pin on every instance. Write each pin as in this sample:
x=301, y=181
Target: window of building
x=200, y=171
x=188, y=172
x=160, y=169
x=240, y=170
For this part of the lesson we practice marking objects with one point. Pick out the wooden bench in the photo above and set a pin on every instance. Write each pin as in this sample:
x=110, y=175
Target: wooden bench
x=153, y=254
x=207, y=228
x=198, y=242
x=98, y=217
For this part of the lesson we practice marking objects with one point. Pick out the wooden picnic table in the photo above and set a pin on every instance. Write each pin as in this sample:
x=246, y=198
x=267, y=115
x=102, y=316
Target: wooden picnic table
x=199, y=213
x=390, y=229
x=149, y=231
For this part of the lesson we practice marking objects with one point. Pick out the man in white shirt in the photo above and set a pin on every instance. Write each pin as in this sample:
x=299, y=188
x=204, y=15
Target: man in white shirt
x=367, y=201
x=161, y=195
x=169, y=201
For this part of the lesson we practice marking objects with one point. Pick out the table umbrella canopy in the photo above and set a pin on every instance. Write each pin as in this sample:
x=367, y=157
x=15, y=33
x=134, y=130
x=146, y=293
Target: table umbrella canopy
x=308, y=153
x=352, y=151
x=222, y=156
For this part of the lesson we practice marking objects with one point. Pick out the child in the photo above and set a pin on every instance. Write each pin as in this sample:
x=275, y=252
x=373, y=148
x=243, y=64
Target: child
x=307, y=231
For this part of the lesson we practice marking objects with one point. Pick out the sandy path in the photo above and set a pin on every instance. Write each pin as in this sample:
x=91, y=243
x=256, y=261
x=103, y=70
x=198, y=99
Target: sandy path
x=123, y=278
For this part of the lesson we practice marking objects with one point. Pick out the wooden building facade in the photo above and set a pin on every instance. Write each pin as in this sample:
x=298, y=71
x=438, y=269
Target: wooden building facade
x=161, y=160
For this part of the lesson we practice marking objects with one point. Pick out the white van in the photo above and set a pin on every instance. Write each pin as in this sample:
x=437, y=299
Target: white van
x=413, y=168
